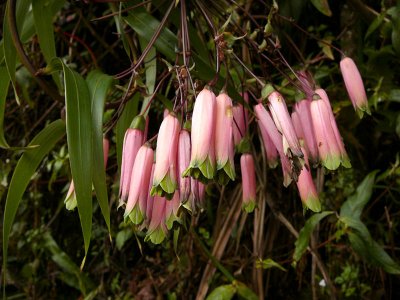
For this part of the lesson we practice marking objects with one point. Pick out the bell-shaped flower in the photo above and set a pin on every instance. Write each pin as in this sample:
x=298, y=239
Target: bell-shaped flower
x=171, y=210
x=283, y=122
x=224, y=148
x=157, y=230
x=248, y=182
x=302, y=109
x=165, y=174
x=133, y=140
x=266, y=123
x=328, y=149
x=343, y=154
x=354, y=85
x=306, y=187
x=139, y=186
x=183, y=164
x=202, y=161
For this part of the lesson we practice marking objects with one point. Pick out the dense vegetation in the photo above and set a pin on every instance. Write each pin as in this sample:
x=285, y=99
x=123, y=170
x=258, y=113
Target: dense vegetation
x=73, y=71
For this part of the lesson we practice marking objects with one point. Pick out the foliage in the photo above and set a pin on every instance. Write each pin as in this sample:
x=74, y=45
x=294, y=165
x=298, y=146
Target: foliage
x=73, y=72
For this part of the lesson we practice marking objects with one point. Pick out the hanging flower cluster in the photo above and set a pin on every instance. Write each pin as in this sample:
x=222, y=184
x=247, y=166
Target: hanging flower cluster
x=155, y=186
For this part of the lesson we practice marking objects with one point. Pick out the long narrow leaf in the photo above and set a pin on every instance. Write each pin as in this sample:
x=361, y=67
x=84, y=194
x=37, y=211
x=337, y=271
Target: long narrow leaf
x=23, y=172
x=99, y=84
x=43, y=18
x=79, y=138
x=4, y=84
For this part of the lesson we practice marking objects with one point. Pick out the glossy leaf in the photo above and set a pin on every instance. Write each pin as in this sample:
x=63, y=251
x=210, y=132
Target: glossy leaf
x=79, y=138
x=305, y=234
x=354, y=205
x=99, y=84
x=23, y=172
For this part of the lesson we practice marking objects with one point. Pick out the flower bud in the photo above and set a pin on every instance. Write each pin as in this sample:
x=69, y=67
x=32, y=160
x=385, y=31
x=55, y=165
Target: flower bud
x=354, y=85
x=248, y=182
x=165, y=173
x=139, y=186
x=283, y=122
x=224, y=148
x=202, y=161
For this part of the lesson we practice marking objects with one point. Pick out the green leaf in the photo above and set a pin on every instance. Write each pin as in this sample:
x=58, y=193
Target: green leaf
x=129, y=112
x=122, y=237
x=43, y=17
x=305, y=234
x=374, y=25
x=354, y=205
x=79, y=138
x=23, y=172
x=244, y=291
x=4, y=84
x=99, y=84
x=77, y=279
x=322, y=6
x=268, y=264
x=223, y=292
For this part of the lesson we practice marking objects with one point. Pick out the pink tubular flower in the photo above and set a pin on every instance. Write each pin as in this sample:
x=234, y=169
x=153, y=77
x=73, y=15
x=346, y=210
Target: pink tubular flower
x=171, y=210
x=343, y=154
x=139, y=186
x=165, y=173
x=306, y=187
x=133, y=140
x=248, y=182
x=157, y=229
x=150, y=198
x=302, y=109
x=202, y=161
x=266, y=123
x=354, y=85
x=306, y=83
x=283, y=122
x=328, y=148
x=224, y=148
x=183, y=164
x=270, y=149
x=240, y=119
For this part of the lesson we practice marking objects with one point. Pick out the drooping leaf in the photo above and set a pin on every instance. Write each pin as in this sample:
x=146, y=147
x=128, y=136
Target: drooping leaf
x=43, y=17
x=305, y=234
x=79, y=138
x=99, y=84
x=354, y=205
x=223, y=292
x=23, y=172
x=322, y=6
x=244, y=291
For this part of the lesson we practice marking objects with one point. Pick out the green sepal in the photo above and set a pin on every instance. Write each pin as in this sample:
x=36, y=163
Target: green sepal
x=158, y=190
x=135, y=216
x=170, y=222
x=244, y=146
x=313, y=203
x=207, y=168
x=331, y=162
x=204, y=171
x=346, y=161
x=70, y=202
x=139, y=122
x=157, y=236
x=249, y=206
